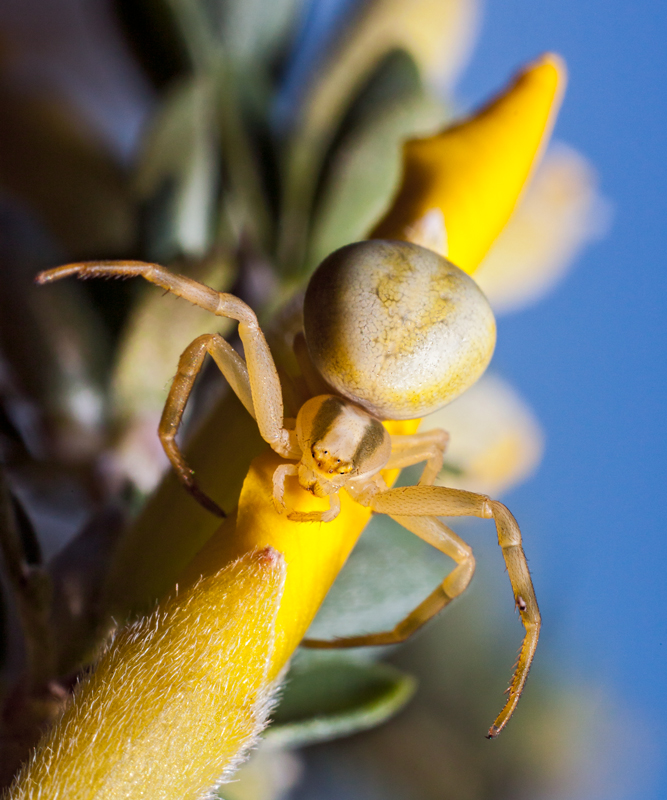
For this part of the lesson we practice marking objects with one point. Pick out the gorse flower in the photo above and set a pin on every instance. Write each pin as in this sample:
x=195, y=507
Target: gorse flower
x=177, y=698
x=474, y=172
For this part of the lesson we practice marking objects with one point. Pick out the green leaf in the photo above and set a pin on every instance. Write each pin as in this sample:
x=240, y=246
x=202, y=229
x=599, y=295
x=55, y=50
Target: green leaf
x=335, y=698
x=194, y=26
x=365, y=168
x=252, y=31
x=179, y=171
x=388, y=574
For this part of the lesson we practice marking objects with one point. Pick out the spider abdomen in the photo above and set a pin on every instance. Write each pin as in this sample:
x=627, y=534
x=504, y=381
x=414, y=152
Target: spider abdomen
x=397, y=328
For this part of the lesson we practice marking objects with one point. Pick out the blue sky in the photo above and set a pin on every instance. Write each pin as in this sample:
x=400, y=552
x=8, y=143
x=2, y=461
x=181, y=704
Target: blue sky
x=591, y=358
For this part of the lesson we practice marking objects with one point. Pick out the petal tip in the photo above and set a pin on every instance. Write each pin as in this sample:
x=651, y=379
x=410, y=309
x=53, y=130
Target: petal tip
x=270, y=557
x=549, y=67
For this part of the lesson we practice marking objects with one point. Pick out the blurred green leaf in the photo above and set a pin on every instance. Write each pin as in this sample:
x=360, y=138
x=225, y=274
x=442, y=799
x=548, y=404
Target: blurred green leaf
x=376, y=30
x=323, y=701
x=365, y=167
x=343, y=175
x=245, y=207
x=195, y=28
x=252, y=31
x=179, y=169
x=389, y=573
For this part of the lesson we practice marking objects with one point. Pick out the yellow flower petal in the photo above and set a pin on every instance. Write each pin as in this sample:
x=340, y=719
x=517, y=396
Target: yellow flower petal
x=558, y=215
x=314, y=551
x=495, y=440
x=176, y=699
x=474, y=172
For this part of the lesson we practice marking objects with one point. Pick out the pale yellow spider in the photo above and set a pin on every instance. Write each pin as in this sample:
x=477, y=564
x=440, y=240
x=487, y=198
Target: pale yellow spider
x=391, y=331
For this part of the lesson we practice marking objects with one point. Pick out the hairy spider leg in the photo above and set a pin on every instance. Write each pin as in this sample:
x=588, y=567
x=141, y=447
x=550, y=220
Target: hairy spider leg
x=265, y=389
x=292, y=470
x=414, y=448
x=410, y=503
x=234, y=369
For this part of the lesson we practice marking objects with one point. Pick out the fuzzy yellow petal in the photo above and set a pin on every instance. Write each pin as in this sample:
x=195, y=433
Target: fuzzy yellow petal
x=474, y=172
x=314, y=551
x=175, y=701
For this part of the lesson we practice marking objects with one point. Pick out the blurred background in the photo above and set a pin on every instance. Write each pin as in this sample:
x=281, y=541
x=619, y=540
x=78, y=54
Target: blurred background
x=107, y=150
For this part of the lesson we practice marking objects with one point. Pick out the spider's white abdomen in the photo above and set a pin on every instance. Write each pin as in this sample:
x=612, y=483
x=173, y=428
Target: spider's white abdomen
x=397, y=328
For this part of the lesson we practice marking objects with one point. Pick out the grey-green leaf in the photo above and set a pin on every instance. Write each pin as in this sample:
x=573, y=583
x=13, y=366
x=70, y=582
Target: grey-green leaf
x=179, y=171
x=366, y=166
x=337, y=697
x=252, y=30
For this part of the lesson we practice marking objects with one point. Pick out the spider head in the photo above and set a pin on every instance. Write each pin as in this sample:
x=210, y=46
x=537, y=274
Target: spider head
x=328, y=462
x=339, y=441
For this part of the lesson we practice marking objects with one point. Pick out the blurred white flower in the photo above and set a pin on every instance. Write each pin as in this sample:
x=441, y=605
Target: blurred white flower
x=495, y=440
x=560, y=212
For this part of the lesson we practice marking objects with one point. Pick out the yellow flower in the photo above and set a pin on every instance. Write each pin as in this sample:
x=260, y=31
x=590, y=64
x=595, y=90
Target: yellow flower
x=474, y=172
x=203, y=666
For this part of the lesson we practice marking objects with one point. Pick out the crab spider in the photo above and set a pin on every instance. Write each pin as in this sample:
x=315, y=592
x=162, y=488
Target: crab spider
x=391, y=331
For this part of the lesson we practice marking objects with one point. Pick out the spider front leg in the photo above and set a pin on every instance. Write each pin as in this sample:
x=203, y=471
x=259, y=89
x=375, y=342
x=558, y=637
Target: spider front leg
x=262, y=374
x=292, y=470
x=256, y=381
x=439, y=501
x=436, y=533
x=417, y=508
x=428, y=446
x=234, y=369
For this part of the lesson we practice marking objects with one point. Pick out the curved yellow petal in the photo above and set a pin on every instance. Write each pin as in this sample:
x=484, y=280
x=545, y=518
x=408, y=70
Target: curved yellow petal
x=314, y=551
x=474, y=172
